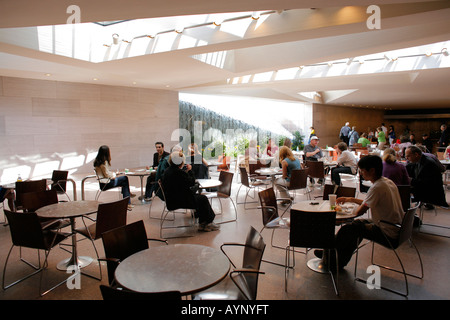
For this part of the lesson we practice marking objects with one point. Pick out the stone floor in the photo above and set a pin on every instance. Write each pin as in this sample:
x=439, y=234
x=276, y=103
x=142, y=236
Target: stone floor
x=303, y=283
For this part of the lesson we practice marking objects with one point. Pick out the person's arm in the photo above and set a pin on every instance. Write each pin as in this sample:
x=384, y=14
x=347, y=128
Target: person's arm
x=106, y=173
x=284, y=166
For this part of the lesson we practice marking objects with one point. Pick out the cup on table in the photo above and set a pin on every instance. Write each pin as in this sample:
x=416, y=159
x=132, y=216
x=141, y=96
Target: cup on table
x=126, y=170
x=332, y=198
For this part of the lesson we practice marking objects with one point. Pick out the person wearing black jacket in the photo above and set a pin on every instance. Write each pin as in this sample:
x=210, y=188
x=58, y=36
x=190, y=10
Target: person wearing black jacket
x=158, y=156
x=426, y=178
x=178, y=183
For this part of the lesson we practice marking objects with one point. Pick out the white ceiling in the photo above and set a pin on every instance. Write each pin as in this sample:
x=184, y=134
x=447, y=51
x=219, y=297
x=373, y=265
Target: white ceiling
x=299, y=33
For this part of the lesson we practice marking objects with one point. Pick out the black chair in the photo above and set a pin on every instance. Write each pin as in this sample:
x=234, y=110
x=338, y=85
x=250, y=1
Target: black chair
x=316, y=170
x=339, y=191
x=404, y=235
x=59, y=182
x=28, y=186
x=298, y=181
x=111, y=293
x=312, y=230
x=31, y=201
x=170, y=207
x=251, y=185
x=102, y=183
x=224, y=192
x=245, y=278
x=120, y=243
x=109, y=216
x=26, y=231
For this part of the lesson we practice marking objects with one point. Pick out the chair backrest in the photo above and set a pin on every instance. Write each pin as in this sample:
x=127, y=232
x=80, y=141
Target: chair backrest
x=406, y=228
x=298, y=179
x=26, y=230
x=200, y=171
x=227, y=180
x=120, y=243
x=110, y=293
x=339, y=191
x=244, y=177
x=28, y=186
x=312, y=229
x=111, y=215
x=253, y=166
x=252, y=257
x=405, y=196
x=31, y=201
x=269, y=206
x=316, y=169
x=59, y=178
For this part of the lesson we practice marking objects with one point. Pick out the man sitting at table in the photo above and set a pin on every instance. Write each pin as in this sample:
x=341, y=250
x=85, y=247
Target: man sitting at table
x=178, y=182
x=383, y=199
x=159, y=155
x=426, y=178
x=313, y=152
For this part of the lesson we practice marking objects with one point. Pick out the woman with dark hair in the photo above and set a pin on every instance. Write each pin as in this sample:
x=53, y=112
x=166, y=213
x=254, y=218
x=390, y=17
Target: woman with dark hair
x=108, y=179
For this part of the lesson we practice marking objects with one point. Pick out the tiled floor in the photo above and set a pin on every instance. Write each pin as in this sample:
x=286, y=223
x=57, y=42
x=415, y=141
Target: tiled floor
x=304, y=284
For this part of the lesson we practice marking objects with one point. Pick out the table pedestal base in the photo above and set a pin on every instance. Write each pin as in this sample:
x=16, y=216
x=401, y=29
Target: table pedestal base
x=318, y=265
x=66, y=263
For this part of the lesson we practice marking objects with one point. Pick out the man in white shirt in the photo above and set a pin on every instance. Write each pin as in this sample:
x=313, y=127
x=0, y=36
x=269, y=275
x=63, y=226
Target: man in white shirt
x=383, y=199
x=346, y=163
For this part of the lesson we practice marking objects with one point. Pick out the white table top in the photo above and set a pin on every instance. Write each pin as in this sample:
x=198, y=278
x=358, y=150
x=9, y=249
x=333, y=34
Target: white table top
x=209, y=183
x=324, y=206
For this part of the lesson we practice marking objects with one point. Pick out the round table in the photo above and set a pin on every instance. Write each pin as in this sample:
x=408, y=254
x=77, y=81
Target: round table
x=186, y=268
x=321, y=264
x=141, y=173
x=70, y=210
x=209, y=183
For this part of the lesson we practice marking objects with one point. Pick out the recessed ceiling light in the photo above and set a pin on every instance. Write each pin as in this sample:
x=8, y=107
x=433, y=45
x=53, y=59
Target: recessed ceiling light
x=95, y=79
x=429, y=53
x=48, y=74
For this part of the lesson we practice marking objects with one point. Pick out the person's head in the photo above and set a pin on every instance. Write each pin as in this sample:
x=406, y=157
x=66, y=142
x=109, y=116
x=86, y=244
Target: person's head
x=443, y=127
x=342, y=146
x=159, y=147
x=286, y=152
x=347, y=123
x=103, y=155
x=412, y=137
x=177, y=159
x=287, y=142
x=389, y=155
x=379, y=129
x=391, y=128
x=413, y=154
x=425, y=136
x=371, y=167
x=364, y=135
x=354, y=128
x=314, y=141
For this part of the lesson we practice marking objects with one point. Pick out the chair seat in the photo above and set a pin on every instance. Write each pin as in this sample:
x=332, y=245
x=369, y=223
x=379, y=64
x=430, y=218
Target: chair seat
x=89, y=231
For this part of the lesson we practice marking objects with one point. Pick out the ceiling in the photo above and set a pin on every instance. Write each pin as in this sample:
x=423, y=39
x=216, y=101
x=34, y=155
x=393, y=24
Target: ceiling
x=283, y=53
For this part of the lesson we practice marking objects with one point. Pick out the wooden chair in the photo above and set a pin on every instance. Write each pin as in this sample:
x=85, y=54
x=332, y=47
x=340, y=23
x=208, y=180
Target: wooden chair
x=298, y=181
x=122, y=242
x=59, y=182
x=28, y=186
x=26, y=232
x=110, y=215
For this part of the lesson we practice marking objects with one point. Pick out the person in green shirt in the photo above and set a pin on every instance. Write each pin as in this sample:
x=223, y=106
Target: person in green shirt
x=381, y=138
x=363, y=140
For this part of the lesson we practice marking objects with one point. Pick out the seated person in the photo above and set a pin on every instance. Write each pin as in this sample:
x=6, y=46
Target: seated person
x=288, y=163
x=363, y=140
x=383, y=199
x=198, y=163
x=426, y=178
x=312, y=151
x=157, y=157
x=271, y=148
x=346, y=163
x=394, y=170
x=177, y=182
x=108, y=179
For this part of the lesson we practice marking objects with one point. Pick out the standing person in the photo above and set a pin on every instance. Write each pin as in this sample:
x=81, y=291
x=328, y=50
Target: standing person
x=157, y=157
x=394, y=170
x=412, y=138
x=444, y=139
x=383, y=199
x=385, y=130
x=370, y=134
x=346, y=163
x=109, y=179
x=288, y=163
x=381, y=138
x=177, y=182
x=312, y=132
x=427, y=143
x=353, y=136
x=343, y=134
x=426, y=178
x=391, y=135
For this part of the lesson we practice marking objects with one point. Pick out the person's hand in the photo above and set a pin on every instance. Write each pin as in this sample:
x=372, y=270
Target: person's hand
x=188, y=167
x=343, y=200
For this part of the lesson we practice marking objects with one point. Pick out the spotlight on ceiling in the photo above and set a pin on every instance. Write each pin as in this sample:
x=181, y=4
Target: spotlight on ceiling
x=115, y=37
x=429, y=53
x=179, y=30
x=444, y=51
